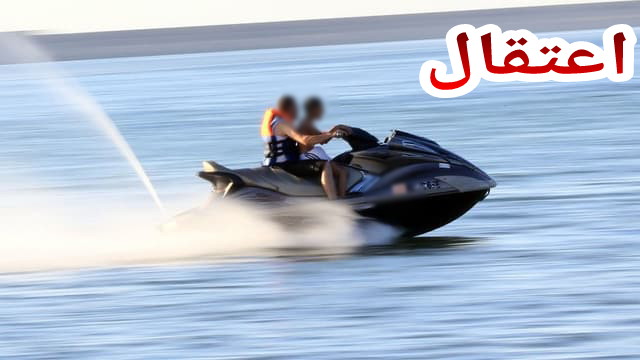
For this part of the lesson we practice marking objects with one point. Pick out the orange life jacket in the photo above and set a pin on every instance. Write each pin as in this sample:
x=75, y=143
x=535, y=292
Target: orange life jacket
x=278, y=149
x=267, y=127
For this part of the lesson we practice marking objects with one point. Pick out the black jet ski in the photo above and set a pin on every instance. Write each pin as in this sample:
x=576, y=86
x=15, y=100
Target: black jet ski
x=406, y=181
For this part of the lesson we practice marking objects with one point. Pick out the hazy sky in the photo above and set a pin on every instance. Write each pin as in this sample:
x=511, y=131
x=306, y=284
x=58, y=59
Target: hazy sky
x=100, y=15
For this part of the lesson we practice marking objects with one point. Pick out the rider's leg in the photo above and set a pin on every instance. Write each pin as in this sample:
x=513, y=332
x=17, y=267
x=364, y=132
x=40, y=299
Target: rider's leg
x=328, y=183
x=341, y=179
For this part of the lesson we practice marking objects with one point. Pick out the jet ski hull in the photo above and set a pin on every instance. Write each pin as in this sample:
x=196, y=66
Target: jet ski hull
x=418, y=215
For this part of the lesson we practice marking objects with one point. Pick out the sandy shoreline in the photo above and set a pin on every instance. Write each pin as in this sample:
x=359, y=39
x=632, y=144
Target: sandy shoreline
x=329, y=31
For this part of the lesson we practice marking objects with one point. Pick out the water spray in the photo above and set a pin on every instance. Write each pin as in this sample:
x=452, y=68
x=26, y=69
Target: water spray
x=23, y=49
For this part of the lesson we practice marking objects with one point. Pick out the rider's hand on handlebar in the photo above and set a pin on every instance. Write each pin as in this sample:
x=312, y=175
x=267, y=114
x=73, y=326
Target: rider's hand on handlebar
x=345, y=130
x=328, y=136
x=339, y=134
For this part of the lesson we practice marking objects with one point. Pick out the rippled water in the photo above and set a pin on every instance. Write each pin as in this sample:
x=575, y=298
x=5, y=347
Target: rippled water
x=547, y=267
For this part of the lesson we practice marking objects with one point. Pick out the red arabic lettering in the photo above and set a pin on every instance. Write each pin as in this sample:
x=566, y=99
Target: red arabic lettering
x=466, y=66
x=520, y=56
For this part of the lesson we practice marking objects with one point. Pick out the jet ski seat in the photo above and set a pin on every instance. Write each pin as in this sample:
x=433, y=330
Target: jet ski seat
x=278, y=180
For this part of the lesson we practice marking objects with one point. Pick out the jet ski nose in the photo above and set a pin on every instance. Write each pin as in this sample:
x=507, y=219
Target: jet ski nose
x=490, y=182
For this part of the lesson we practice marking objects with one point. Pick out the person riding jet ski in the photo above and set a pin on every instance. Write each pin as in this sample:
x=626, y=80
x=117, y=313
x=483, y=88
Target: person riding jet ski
x=283, y=141
x=315, y=156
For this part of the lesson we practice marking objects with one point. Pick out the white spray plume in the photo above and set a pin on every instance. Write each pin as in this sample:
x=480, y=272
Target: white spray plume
x=22, y=49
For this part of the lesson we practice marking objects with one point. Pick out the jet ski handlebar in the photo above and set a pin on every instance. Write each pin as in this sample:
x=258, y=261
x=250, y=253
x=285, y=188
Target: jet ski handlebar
x=358, y=139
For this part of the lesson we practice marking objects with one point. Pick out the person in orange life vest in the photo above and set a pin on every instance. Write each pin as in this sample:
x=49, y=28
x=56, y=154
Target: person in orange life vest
x=314, y=111
x=282, y=144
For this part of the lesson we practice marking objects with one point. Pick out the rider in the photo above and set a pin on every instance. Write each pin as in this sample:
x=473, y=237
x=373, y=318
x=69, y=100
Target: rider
x=314, y=110
x=282, y=143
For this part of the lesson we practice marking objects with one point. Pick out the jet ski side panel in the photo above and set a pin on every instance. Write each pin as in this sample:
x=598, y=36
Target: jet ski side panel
x=417, y=215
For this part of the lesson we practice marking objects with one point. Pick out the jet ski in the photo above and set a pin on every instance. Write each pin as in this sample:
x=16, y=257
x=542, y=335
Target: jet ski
x=407, y=181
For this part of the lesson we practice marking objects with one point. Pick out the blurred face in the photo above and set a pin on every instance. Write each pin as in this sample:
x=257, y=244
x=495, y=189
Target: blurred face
x=292, y=111
x=316, y=113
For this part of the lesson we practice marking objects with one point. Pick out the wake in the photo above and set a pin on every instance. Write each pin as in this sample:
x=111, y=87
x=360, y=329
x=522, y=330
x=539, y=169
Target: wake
x=39, y=235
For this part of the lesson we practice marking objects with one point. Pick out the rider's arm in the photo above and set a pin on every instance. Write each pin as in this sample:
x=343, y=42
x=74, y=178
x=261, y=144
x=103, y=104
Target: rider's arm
x=305, y=140
x=305, y=148
x=307, y=129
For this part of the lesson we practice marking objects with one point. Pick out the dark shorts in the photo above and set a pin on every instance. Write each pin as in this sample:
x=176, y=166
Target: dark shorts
x=309, y=169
